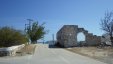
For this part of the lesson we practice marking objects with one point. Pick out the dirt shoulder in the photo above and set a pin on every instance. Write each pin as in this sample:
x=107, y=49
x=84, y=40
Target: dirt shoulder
x=103, y=54
x=28, y=49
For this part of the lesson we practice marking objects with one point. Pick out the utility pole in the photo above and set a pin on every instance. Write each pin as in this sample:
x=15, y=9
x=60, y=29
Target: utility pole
x=28, y=26
x=53, y=38
x=30, y=22
x=43, y=39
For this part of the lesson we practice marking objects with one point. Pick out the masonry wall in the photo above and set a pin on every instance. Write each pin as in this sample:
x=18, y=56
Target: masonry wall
x=67, y=36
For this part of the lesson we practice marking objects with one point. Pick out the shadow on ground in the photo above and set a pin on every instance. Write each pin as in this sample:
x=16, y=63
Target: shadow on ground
x=53, y=46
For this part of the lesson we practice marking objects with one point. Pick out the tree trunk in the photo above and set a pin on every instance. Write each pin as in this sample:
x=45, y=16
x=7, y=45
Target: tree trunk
x=34, y=42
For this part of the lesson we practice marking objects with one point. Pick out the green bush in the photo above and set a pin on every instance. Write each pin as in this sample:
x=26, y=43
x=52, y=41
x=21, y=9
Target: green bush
x=10, y=37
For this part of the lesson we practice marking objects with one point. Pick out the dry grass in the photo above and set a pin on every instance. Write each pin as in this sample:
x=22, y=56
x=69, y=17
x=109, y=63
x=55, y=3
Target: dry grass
x=103, y=54
x=28, y=49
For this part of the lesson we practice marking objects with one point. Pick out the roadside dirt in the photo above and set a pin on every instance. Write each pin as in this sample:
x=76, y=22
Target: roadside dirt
x=28, y=49
x=102, y=54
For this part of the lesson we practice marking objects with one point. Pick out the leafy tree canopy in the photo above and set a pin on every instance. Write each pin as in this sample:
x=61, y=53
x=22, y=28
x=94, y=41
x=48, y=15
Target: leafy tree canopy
x=35, y=32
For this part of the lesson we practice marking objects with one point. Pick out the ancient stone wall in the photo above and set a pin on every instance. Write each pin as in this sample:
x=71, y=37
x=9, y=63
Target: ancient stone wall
x=67, y=36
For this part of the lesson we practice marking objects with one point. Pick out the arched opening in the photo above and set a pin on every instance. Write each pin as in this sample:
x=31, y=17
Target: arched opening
x=81, y=39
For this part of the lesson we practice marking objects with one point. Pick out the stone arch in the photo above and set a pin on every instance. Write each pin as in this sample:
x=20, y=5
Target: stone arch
x=81, y=37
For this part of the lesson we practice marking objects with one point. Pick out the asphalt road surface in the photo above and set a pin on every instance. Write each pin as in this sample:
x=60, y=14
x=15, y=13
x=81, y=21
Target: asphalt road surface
x=45, y=55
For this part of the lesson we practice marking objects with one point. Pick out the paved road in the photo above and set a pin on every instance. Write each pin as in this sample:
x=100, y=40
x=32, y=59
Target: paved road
x=45, y=55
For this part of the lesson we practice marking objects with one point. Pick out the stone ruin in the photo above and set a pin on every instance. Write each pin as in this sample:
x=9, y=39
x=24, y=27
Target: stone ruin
x=67, y=37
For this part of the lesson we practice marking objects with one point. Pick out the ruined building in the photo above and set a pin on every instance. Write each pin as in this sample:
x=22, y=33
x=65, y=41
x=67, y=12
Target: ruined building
x=67, y=36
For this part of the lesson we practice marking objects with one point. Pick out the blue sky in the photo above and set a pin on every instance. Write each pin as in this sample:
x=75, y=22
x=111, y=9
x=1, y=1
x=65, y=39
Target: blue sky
x=56, y=13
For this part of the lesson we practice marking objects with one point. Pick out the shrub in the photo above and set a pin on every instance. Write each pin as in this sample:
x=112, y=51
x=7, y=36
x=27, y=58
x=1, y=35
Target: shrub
x=10, y=37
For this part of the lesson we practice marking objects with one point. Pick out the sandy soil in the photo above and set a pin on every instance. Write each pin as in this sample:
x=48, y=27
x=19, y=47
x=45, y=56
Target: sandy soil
x=28, y=49
x=102, y=54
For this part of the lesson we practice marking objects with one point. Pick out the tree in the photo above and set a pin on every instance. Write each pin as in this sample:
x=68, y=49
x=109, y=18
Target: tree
x=10, y=36
x=35, y=32
x=107, y=24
